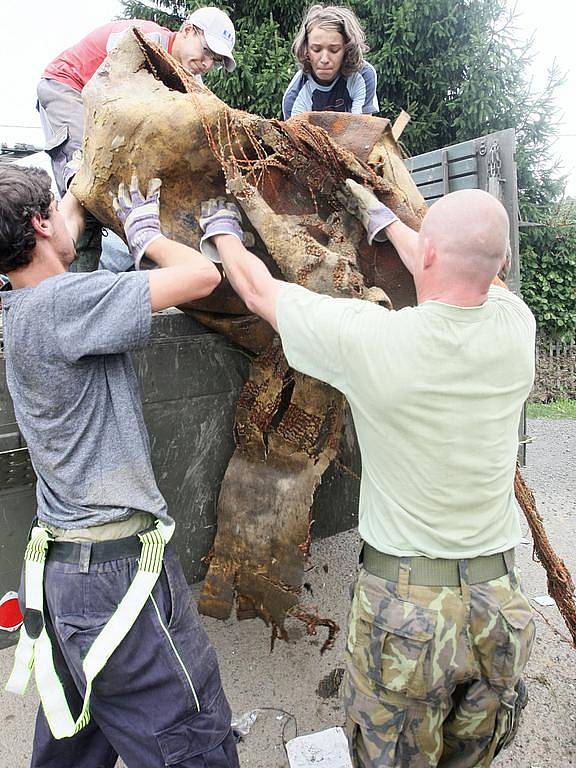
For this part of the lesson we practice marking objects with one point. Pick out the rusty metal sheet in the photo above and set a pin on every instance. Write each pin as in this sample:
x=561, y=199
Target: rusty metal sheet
x=145, y=113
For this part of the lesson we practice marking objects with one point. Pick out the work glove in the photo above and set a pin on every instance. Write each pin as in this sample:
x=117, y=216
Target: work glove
x=374, y=215
x=219, y=217
x=72, y=167
x=139, y=215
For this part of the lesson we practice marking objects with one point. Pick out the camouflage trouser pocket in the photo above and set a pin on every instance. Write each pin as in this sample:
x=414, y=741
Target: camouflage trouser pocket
x=373, y=730
x=504, y=651
x=390, y=641
x=517, y=631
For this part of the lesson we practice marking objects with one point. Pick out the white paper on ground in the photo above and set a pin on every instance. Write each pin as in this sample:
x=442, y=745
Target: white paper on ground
x=544, y=600
x=328, y=749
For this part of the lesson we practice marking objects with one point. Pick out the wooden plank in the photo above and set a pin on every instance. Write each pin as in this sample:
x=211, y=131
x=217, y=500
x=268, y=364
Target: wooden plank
x=399, y=124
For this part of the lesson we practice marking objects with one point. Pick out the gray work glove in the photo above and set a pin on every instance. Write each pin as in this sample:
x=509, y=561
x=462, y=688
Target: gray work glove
x=374, y=215
x=219, y=217
x=72, y=167
x=140, y=216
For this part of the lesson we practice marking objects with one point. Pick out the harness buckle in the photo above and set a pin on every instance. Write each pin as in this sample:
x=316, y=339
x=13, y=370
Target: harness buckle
x=33, y=622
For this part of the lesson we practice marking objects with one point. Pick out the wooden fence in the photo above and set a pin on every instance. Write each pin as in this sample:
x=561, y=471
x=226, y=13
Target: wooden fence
x=555, y=370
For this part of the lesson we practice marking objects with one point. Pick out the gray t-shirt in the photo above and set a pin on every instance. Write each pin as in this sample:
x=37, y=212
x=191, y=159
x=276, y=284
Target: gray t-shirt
x=76, y=395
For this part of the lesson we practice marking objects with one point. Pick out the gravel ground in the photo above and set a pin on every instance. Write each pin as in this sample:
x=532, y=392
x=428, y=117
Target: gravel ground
x=287, y=679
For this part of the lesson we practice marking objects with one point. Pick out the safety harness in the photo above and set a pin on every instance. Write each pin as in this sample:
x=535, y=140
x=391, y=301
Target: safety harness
x=34, y=649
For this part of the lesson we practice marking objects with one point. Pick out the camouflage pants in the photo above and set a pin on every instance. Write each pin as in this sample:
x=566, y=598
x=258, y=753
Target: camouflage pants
x=431, y=670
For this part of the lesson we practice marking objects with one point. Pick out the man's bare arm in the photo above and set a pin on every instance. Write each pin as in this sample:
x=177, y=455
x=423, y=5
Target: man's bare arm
x=74, y=215
x=405, y=240
x=249, y=277
x=185, y=274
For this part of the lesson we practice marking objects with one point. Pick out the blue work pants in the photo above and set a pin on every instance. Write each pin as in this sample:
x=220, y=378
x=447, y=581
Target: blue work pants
x=159, y=699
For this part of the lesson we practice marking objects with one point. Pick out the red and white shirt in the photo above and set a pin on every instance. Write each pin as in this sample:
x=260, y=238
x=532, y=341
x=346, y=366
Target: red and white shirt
x=76, y=65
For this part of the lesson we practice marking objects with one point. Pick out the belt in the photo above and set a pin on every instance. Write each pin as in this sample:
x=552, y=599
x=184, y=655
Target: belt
x=429, y=572
x=100, y=551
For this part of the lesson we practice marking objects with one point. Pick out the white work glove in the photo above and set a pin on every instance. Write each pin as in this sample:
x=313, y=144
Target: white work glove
x=140, y=216
x=374, y=215
x=72, y=167
x=219, y=217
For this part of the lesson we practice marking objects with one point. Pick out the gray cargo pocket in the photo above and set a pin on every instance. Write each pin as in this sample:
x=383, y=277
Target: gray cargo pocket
x=197, y=740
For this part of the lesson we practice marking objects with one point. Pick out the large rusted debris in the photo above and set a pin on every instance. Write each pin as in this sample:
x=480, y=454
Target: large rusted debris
x=144, y=113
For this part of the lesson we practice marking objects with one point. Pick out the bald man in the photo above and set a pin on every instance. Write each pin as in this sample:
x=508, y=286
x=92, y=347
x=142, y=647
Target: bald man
x=439, y=630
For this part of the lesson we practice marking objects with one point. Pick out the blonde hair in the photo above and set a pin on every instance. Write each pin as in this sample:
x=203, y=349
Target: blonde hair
x=339, y=19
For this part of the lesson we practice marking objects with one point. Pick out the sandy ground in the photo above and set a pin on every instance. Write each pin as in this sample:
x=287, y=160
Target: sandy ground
x=286, y=681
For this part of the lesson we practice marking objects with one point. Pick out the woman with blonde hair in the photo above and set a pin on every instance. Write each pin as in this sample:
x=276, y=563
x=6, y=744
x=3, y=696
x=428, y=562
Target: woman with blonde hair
x=333, y=74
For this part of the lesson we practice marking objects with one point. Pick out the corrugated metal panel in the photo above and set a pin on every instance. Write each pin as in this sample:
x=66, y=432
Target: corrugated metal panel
x=431, y=174
x=433, y=192
x=433, y=158
x=445, y=170
x=470, y=165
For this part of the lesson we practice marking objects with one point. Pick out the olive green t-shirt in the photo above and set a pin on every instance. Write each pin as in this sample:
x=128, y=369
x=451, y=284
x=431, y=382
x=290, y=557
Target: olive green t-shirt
x=436, y=393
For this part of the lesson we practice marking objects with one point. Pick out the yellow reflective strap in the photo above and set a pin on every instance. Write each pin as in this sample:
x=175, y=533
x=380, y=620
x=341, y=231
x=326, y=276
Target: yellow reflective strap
x=34, y=559
x=23, y=665
x=49, y=687
x=51, y=691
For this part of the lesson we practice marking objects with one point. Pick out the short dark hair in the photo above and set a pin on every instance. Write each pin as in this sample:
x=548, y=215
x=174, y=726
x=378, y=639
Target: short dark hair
x=23, y=192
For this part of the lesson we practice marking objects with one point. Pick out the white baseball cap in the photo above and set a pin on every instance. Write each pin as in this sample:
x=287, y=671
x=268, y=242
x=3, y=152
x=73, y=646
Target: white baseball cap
x=218, y=31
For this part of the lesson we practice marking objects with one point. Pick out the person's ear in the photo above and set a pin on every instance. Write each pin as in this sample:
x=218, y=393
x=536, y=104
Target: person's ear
x=506, y=263
x=428, y=254
x=186, y=29
x=42, y=227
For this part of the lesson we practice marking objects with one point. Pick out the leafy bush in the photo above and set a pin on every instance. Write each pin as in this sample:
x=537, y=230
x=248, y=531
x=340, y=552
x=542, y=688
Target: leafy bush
x=549, y=269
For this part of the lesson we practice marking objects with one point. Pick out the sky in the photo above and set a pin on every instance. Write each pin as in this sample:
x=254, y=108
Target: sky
x=37, y=30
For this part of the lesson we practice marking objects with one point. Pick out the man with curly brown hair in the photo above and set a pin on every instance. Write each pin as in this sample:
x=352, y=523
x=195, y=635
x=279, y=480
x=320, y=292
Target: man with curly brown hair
x=123, y=665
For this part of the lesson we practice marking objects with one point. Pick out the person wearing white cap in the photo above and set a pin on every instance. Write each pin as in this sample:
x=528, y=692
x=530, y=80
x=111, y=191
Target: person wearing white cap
x=218, y=33
x=203, y=42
